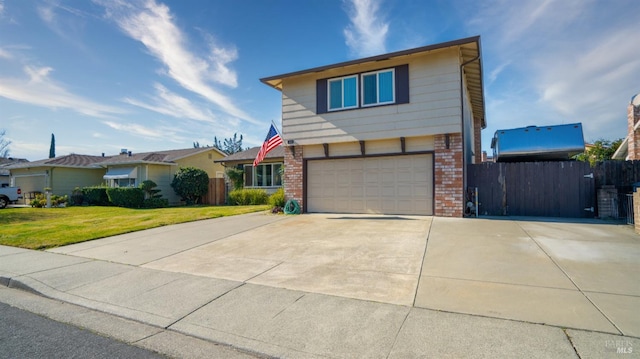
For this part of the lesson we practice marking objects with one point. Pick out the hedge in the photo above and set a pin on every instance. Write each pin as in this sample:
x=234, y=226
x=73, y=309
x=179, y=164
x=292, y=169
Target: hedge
x=129, y=197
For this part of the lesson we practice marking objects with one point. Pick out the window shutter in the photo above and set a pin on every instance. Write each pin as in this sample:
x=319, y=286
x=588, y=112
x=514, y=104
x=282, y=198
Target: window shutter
x=321, y=96
x=402, y=84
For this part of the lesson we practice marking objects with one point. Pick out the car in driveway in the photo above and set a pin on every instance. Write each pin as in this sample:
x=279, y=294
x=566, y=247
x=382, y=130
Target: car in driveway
x=9, y=195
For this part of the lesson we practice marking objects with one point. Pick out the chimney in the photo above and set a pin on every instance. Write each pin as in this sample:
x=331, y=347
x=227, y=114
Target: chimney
x=123, y=151
x=102, y=154
x=129, y=153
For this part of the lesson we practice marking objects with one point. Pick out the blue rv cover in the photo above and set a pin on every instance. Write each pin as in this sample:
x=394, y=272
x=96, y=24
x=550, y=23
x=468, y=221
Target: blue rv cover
x=538, y=143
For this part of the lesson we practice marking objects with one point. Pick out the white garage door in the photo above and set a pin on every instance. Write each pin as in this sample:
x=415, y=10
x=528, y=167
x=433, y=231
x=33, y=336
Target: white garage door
x=389, y=185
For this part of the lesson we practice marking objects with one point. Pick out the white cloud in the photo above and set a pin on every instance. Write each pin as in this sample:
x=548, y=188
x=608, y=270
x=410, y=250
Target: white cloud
x=153, y=25
x=568, y=61
x=367, y=32
x=4, y=54
x=139, y=130
x=39, y=89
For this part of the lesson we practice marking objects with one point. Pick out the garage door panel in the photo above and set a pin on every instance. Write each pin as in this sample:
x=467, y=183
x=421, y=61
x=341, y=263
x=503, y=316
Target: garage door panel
x=391, y=185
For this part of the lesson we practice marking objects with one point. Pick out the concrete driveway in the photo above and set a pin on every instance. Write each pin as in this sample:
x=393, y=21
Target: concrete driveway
x=573, y=275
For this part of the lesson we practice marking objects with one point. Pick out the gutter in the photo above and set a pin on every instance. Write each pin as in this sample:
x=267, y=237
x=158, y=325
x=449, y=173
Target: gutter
x=462, y=128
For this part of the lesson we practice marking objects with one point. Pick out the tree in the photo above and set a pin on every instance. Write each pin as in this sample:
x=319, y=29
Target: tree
x=52, y=147
x=601, y=150
x=4, y=144
x=231, y=145
x=190, y=184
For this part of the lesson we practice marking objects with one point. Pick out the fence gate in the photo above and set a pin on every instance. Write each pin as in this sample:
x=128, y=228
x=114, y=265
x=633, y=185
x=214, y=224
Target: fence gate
x=545, y=189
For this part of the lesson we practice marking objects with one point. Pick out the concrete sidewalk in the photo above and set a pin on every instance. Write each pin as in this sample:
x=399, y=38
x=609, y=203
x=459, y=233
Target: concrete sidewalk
x=283, y=322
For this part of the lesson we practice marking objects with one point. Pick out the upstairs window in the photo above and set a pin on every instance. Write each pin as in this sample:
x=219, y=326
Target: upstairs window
x=343, y=93
x=378, y=88
x=375, y=88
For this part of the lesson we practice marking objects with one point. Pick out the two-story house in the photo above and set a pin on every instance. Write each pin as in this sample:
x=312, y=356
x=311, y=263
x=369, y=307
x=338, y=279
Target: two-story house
x=385, y=134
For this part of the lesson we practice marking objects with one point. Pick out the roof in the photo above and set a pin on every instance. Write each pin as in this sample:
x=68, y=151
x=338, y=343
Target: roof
x=87, y=161
x=470, y=51
x=250, y=154
x=72, y=160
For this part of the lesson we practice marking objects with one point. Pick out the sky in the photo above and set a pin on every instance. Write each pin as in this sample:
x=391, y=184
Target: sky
x=149, y=75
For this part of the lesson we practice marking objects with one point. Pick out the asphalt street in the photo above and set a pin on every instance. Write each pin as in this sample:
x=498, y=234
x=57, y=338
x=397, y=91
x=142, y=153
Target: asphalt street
x=27, y=335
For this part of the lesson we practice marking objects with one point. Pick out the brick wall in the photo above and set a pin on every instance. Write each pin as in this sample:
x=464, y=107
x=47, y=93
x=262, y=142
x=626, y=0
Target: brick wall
x=449, y=194
x=293, y=174
x=636, y=211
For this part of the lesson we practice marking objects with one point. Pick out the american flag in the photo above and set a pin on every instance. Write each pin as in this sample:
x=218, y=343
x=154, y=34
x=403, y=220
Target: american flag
x=272, y=141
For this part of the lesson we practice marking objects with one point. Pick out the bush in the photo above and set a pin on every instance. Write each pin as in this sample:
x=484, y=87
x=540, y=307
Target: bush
x=155, y=203
x=276, y=200
x=236, y=176
x=190, y=184
x=248, y=196
x=96, y=196
x=56, y=201
x=77, y=197
x=128, y=197
x=149, y=188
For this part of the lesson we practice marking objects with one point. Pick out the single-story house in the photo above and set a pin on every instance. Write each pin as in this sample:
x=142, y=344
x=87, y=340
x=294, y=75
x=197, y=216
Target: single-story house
x=384, y=134
x=5, y=174
x=630, y=148
x=267, y=175
x=63, y=174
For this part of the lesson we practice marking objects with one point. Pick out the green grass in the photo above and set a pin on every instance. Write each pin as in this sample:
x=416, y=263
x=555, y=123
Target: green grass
x=42, y=228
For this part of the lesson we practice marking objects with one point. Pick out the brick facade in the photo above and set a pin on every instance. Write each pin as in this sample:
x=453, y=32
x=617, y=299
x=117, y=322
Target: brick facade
x=449, y=194
x=633, y=116
x=293, y=180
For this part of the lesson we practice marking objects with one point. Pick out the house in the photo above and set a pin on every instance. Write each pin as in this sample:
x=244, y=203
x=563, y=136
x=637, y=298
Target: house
x=63, y=174
x=5, y=174
x=267, y=175
x=385, y=134
x=630, y=148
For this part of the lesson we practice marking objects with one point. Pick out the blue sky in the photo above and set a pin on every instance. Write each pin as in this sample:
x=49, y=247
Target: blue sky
x=153, y=75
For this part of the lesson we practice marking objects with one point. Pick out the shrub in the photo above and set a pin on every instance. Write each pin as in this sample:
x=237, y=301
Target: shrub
x=190, y=184
x=248, y=196
x=96, y=196
x=56, y=201
x=77, y=197
x=128, y=197
x=236, y=176
x=276, y=200
x=155, y=203
x=149, y=188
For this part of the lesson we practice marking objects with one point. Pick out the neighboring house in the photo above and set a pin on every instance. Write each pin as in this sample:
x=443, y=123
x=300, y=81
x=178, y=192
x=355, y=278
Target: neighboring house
x=63, y=174
x=384, y=134
x=5, y=174
x=630, y=148
x=267, y=175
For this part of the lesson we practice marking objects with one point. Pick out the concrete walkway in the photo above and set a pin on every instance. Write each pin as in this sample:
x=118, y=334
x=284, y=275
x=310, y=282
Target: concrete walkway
x=477, y=287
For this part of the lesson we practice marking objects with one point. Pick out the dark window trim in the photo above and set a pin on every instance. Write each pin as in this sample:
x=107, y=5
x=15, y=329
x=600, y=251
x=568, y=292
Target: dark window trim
x=401, y=81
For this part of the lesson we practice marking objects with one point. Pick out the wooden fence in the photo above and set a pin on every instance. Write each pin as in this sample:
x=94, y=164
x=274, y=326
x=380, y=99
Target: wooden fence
x=554, y=189
x=216, y=195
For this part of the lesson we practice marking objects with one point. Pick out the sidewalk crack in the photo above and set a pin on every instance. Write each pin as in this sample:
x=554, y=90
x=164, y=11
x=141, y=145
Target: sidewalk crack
x=424, y=255
x=564, y=330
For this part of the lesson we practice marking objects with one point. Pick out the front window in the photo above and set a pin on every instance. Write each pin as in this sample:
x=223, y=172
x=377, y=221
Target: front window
x=123, y=182
x=263, y=175
x=343, y=93
x=378, y=88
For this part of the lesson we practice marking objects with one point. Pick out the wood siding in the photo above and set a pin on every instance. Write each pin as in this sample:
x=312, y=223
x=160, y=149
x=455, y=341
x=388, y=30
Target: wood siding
x=434, y=106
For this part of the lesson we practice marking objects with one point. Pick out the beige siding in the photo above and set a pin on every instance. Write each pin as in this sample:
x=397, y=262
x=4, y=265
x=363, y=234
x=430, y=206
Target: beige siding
x=434, y=105
x=204, y=161
x=378, y=147
x=64, y=180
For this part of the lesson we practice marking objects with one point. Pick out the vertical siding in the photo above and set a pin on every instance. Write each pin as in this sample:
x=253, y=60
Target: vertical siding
x=162, y=175
x=434, y=105
x=64, y=180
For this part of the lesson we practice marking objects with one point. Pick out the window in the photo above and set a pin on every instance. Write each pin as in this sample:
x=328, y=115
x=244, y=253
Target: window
x=343, y=93
x=123, y=182
x=374, y=88
x=378, y=88
x=264, y=175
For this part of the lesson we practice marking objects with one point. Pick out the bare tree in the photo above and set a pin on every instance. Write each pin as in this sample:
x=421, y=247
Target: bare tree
x=4, y=144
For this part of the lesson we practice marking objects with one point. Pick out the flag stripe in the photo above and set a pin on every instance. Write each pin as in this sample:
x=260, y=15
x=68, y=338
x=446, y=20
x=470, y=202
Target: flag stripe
x=272, y=141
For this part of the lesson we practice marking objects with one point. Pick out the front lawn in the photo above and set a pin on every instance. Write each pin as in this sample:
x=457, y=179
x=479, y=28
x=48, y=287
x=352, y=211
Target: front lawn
x=42, y=228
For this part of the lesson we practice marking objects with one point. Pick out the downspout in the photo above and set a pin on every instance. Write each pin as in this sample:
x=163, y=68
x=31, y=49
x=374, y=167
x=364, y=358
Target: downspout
x=462, y=132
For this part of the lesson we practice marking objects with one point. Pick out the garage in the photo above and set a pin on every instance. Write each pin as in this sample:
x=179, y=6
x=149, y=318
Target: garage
x=390, y=185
